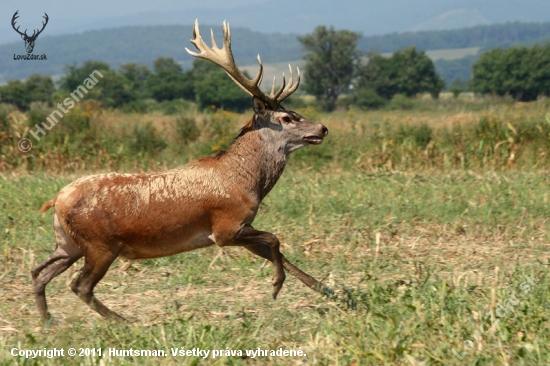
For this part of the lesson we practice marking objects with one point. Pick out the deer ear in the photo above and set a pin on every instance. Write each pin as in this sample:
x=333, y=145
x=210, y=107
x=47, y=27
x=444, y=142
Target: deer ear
x=23, y=36
x=259, y=107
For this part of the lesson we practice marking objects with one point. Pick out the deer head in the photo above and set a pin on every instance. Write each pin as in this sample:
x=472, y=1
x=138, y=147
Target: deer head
x=29, y=40
x=286, y=129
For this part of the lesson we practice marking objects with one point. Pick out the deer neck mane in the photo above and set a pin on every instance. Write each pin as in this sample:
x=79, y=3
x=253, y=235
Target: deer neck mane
x=260, y=155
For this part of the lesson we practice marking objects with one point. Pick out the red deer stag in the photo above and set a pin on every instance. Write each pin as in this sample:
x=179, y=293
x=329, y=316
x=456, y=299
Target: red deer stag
x=213, y=200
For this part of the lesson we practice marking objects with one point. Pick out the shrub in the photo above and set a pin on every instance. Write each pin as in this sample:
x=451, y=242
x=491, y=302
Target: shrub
x=367, y=99
x=401, y=101
x=38, y=112
x=456, y=90
x=186, y=128
x=145, y=140
x=419, y=135
x=5, y=110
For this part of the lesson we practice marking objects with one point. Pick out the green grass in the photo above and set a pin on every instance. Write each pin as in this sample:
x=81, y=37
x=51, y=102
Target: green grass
x=416, y=259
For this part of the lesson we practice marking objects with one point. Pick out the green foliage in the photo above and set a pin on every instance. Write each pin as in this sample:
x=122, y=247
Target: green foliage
x=294, y=102
x=39, y=88
x=74, y=75
x=458, y=86
x=407, y=72
x=37, y=113
x=171, y=107
x=5, y=110
x=367, y=99
x=168, y=82
x=214, y=89
x=112, y=90
x=331, y=63
x=137, y=77
x=400, y=101
x=15, y=93
x=186, y=128
x=36, y=88
x=456, y=90
x=419, y=135
x=146, y=140
x=523, y=73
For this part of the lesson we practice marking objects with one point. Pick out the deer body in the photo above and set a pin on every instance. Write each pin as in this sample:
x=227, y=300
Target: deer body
x=213, y=200
x=161, y=214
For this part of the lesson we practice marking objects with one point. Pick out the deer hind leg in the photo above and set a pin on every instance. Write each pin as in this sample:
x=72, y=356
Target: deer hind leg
x=96, y=264
x=64, y=255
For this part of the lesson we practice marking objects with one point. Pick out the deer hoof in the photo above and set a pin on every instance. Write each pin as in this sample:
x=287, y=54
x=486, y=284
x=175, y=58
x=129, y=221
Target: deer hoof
x=276, y=288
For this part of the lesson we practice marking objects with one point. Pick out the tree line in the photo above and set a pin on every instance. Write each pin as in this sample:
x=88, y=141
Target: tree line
x=132, y=84
x=334, y=67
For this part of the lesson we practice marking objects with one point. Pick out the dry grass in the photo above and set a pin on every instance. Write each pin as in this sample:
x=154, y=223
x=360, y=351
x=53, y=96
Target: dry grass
x=418, y=252
x=417, y=244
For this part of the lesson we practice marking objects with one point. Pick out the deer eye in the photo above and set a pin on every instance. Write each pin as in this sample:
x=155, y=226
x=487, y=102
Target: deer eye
x=286, y=119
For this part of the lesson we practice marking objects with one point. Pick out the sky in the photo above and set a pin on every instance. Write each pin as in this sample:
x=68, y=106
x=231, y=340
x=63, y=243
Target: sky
x=284, y=16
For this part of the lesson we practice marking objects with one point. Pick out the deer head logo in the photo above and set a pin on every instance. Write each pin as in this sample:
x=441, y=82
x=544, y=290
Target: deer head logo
x=29, y=40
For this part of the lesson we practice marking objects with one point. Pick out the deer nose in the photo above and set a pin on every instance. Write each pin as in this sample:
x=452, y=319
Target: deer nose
x=324, y=130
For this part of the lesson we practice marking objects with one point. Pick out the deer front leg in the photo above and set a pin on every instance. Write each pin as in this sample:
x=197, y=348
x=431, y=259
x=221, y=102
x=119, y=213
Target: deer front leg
x=265, y=245
x=264, y=252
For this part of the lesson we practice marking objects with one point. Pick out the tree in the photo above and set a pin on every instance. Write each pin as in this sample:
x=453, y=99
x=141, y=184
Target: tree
x=331, y=63
x=14, y=93
x=75, y=76
x=523, y=73
x=407, y=72
x=168, y=82
x=113, y=89
x=137, y=77
x=36, y=88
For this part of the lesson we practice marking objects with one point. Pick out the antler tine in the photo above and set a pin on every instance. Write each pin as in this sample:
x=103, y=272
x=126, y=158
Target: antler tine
x=273, y=86
x=13, y=19
x=214, y=45
x=226, y=36
x=35, y=34
x=46, y=17
x=260, y=71
x=224, y=58
x=279, y=91
x=291, y=87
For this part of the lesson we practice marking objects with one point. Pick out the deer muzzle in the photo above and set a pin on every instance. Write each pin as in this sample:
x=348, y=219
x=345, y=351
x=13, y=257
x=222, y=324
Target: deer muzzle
x=317, y=138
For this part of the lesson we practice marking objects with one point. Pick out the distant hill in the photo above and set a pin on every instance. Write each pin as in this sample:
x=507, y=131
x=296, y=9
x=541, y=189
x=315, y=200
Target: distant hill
x=484, y=36
x=143, y=44
x=268, y=16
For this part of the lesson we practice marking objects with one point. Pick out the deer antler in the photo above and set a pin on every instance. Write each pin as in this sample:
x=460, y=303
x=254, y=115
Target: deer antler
x=223, y=57
x=15, y=16
x=34, y=34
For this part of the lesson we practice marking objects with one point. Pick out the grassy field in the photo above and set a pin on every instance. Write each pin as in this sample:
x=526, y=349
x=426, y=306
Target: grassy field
x=433, y=259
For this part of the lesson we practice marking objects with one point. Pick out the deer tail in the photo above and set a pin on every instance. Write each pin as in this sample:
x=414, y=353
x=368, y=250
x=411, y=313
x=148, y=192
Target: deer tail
x=47, y=205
